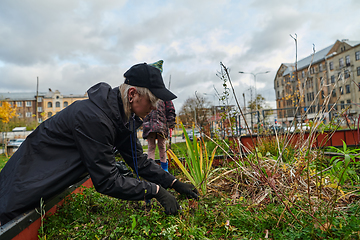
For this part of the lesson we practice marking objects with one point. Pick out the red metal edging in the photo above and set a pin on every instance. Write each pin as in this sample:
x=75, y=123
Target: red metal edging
x=328, y=138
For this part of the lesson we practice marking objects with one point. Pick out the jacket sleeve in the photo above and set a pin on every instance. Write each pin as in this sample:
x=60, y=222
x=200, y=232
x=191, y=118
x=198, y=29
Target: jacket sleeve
x=170, y=114
x=94, y=139
x=147, y=168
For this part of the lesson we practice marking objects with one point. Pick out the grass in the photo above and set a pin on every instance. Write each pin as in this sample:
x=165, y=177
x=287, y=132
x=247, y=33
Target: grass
x=91, y=215
x=235, y=207
x=3, y=160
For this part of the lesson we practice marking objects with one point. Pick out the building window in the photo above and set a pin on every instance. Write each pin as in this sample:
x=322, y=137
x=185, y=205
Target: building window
x=358, y=71
x=67, y=104
x=57, y=97
x=331, y=65
x=341, y=62
x=347, y=60
x=40, y=120
x=49, y=104
x=341, y=90
x=332, y=79
x=39, y=109
x=333, y=93
x=347, y=74
x=348, y=102
x=342, y=104
x=20, y=115
x=57, y=104
x=310, y=97
x=19, y=104
x=339, y=76
x=322, y=94
x=39, y=99
x=357, y=55
x=347, y=87
x=49, y=114
x=321, y=67
x=302, y=74
x=312, y=70
x=28, y=103
x=28, y=114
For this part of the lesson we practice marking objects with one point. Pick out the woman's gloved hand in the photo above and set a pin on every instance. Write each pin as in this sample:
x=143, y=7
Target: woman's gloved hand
x=186, y=189
x=168, y=201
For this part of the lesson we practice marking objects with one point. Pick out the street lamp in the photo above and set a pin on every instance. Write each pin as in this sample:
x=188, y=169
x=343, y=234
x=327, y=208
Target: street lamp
x=254, y=74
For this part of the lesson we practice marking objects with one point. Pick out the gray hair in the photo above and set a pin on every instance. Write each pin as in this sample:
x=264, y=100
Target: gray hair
x=124, y=89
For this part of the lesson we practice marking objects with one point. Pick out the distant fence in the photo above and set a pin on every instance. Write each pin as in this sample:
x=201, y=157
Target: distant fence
x=345, y=114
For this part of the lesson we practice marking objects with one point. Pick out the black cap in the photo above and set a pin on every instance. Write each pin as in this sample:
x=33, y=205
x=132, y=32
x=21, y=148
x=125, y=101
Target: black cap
x=144, y=75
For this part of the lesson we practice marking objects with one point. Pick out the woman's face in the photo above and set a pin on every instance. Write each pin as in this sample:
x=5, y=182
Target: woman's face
x=140, y=105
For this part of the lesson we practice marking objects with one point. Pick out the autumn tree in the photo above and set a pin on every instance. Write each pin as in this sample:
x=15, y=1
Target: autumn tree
x=195, y=110
x=6, y=113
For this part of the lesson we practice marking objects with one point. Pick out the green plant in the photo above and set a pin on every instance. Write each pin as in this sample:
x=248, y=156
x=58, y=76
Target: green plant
x=41, y=211
x=198, y=161
x=344, y=168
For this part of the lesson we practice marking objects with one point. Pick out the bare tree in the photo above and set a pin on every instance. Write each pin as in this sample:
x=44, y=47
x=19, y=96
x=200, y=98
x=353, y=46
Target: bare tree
x=196, y=110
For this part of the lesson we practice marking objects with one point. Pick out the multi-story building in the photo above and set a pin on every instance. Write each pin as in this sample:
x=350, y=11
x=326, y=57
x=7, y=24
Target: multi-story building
x=327, y=79
x=31, y=106
x=54, y=102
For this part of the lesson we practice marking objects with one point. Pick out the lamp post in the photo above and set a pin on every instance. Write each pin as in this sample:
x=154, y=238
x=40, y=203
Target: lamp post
x=254, y=74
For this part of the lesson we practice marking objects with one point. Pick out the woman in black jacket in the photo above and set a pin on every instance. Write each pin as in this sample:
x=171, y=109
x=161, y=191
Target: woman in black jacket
x=80, y=139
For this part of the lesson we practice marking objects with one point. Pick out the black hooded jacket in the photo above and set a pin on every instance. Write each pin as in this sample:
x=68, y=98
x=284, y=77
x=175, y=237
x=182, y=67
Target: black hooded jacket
x=79, y=139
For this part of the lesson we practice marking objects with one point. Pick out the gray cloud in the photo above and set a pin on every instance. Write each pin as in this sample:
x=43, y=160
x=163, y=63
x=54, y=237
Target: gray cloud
x=73, y=44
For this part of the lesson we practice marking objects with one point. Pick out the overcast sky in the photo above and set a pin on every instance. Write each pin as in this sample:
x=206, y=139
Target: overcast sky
x=71, y=45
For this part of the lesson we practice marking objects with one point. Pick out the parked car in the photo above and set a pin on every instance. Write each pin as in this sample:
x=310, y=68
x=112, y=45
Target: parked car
x=11, y=141
x=16, y=143
x=196, y=134
x=299, y=127
x=190, y=134
x=277, y=128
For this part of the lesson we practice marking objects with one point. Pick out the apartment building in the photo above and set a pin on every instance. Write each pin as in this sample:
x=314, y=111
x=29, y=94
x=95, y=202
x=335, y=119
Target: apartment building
x=31, y=106
x=327, y=79
x=28, y=104
x=54, y=102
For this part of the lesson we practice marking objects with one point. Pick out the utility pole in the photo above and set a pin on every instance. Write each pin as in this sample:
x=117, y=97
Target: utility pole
x=296, y=72
x=37, y=102
x=244, y=102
